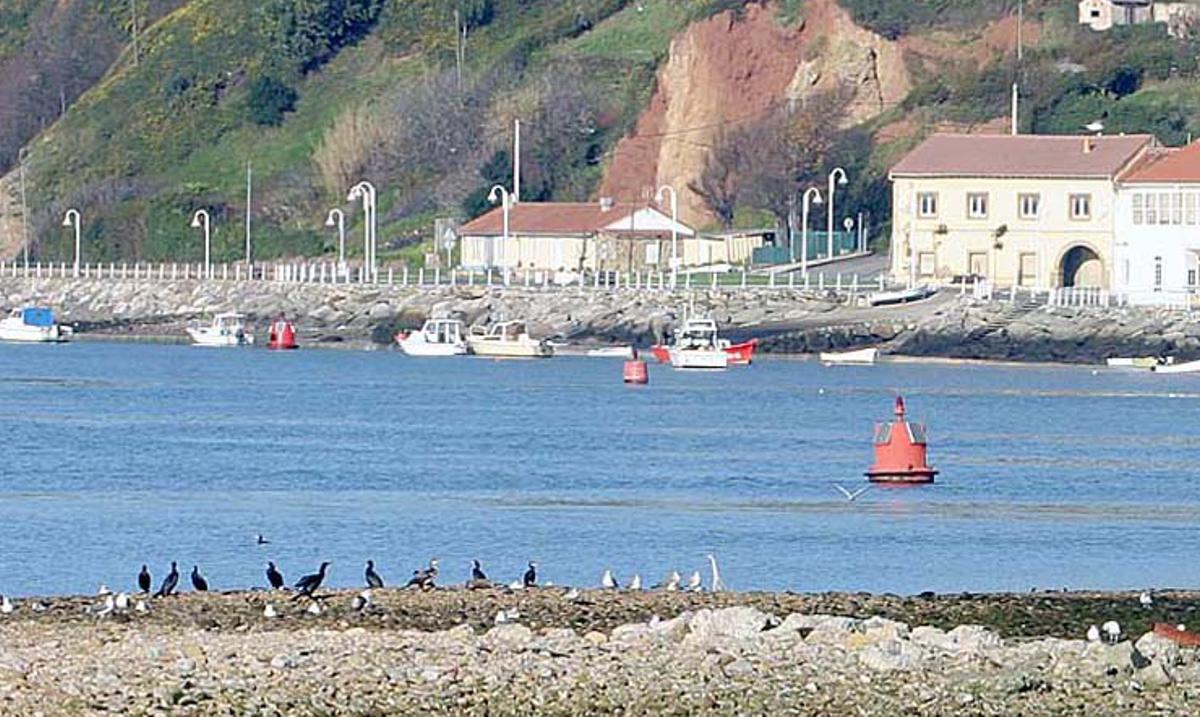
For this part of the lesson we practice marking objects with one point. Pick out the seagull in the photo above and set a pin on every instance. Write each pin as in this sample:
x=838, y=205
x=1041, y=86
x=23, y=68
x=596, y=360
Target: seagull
x=143, y=580
x=1093, y=634
x=198, y=581
x=1112, y=630
x=718, y=585
x=424, y=577
x=512, y=614
x=695, y=584
x=260, y=540
x=636, y=582
x=109, y=606
x=38, y=607
x=372, y=577
x=671, y=583
x=6, y=606
x=477, y=573
x=269, y=611
x=121, y=602
x=314, y=608
x=852, y=496
x=141, y=606
x=274, y=577
x=169, y=583
x=608, y=582
x=308, y=584
x=1145, y=599
x=572, y=595
x=1096, y=127
x=530, y=578
x=103, y=590
x=361, y=601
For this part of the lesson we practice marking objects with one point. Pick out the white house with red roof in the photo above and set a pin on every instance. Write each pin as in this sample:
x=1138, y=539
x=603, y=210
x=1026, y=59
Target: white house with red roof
x=1157, y=248
x=571, y=236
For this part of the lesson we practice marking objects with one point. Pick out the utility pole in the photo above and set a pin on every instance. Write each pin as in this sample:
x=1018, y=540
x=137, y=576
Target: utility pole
x=21, y=156
x=137, y=55
x=1020, y=29
x=249, y=184
x=460, y=38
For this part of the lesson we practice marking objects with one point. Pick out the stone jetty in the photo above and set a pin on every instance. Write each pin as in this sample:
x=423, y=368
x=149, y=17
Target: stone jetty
x=786, y=321
x=552, y=652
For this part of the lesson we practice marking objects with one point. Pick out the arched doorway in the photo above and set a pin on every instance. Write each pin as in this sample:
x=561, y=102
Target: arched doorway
x=1081, y=266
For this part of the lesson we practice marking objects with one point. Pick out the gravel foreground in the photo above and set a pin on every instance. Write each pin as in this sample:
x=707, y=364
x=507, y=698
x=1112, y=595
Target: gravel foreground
x=596, y=653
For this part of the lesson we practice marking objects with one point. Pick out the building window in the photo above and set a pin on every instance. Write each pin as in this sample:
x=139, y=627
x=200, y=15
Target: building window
x=1138, y=214
x=1081, y=206
x=977, y=205
x=652, y=253
x=926, y=263
x=1164, y=208
x=1030, y=205
x=1177, y=208
x=1192, y=278
x=1151, y=210
x=927, y=205
x=1189, y=207
x=1158, y=273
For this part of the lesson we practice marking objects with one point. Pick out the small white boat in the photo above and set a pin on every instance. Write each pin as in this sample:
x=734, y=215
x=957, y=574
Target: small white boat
x=1146, y=362
x=33, y=325
x=225, y=330
x=861, y=357
x=1185, y=367
x=438, y=337
x=508, y=339
x=901, y=296
x=697, y=346
x=621, y=352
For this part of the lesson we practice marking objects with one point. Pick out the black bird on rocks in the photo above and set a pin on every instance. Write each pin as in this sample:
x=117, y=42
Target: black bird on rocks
x=530, y=578
x=308, y=584
x=274, y=577
x=477, y=573
x=170, y=582
x=144, y=579
x=373, y=580
x=424, y=578
x=198, y=581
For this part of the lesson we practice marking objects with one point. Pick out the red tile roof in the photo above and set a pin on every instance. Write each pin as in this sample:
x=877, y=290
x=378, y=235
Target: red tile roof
x=1169, y=165
x=551, y=218
x=959, y=155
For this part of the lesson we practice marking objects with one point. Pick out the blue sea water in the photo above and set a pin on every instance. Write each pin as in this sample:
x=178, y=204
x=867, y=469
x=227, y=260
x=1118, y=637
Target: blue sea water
x=1052, y=476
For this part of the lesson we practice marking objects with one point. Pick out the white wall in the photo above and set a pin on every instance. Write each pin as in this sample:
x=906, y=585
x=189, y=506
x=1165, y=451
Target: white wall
x=1141, y=246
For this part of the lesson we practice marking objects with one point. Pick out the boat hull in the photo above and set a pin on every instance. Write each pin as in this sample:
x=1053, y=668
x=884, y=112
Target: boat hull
x=423, y=349
x=701, y=359
x=903, y=296
x=33, y=334
x=862, y=357
x=201, y=337
x=741, y=354
x=662, y=354
x=509, y=349
x=1186, y=367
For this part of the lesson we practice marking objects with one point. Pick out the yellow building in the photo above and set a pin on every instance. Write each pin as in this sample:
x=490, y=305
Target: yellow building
x=1027, y=210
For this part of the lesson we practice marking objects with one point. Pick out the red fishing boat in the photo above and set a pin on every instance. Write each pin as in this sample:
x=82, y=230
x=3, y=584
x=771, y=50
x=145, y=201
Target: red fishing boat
x=735, y=354
x=283, y=335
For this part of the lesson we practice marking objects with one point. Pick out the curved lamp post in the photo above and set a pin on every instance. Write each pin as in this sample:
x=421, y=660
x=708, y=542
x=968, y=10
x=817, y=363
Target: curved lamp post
x=72, y=219
x=499, y=193
x=200, y=220
x=337, y=218
x=812, y=195
x=836, y=178
x=366, y=191
x=658, y=197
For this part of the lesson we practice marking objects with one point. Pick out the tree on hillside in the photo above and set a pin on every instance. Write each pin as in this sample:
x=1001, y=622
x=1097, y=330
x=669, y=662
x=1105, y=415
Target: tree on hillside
x=310, y=32
x=717, y=184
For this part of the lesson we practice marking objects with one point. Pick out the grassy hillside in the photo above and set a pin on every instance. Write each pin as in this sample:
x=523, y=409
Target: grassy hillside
x=317, y=94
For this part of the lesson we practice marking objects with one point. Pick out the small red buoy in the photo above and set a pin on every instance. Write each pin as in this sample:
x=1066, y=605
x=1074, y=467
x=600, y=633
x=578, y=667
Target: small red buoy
x=636, y=371
x=900, y=451
x=283, y=335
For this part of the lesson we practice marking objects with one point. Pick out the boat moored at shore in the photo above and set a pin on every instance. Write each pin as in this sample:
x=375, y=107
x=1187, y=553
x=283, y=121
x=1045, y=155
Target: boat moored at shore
x=227, y=329
x=859, y=357
x=508, y=339
x=437, y=337
x=33, y=324
x=698, y=346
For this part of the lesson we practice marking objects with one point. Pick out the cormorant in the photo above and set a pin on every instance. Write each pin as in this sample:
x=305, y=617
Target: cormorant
x=373, y=579
x=477, y=572
x=198, y=581
x=260, y=540
x=274, y=577
x=309, y=584
x=424, y=578
x=170, y=582
x=530, y=578
x=144, y=579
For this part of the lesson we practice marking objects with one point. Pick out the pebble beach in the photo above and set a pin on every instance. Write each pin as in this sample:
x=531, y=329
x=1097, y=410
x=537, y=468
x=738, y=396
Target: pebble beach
x=550, y=651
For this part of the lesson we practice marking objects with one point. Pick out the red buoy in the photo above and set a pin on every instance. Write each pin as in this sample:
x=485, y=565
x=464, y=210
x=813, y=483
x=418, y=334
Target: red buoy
x=636, y=371
x=900, y=451
x=283, y=335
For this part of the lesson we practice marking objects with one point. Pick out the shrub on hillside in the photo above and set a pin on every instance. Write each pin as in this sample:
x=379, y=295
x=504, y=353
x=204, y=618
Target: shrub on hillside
x=310, y=32
x=268, y=100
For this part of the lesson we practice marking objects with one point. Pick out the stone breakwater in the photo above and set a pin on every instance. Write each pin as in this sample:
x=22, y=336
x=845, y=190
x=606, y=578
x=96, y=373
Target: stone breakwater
x=568, y=654
x=785, y=321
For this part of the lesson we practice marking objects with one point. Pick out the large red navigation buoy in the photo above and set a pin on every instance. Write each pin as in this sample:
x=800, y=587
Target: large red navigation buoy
x=636, y=371
x=283, y=334
x=900, y=451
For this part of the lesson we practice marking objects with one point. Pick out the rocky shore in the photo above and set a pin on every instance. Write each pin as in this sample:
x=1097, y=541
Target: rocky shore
x=786, y=321
x=597, y=652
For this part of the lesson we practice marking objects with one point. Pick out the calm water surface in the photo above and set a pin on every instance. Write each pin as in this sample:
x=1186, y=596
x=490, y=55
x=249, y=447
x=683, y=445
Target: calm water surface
x=115, y=455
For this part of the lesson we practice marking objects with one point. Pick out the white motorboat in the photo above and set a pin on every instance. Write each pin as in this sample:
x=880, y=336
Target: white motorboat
x=508, y=339
x=1143, y=362
x=697, y=346
x=621, y=352
x=1185, y=367
x=901, y=296
x=438, y=337
x=225, y=330
x=860, y=357
x=33, y=324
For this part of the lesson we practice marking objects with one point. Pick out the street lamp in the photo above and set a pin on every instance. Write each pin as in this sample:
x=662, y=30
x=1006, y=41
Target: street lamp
x=838, y=175
x=811, y=195
x=337, y=218
x=499, y=193
x=72, y=219
x=366, y=191
x=658, y=197
x=200, y=220
x=22, y=154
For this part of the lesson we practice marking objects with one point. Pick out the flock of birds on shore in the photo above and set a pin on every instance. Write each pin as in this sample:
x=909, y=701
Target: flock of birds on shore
x=424, y=578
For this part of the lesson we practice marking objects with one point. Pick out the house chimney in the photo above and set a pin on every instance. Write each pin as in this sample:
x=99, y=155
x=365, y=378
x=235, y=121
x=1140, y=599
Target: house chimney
x=606, y=203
